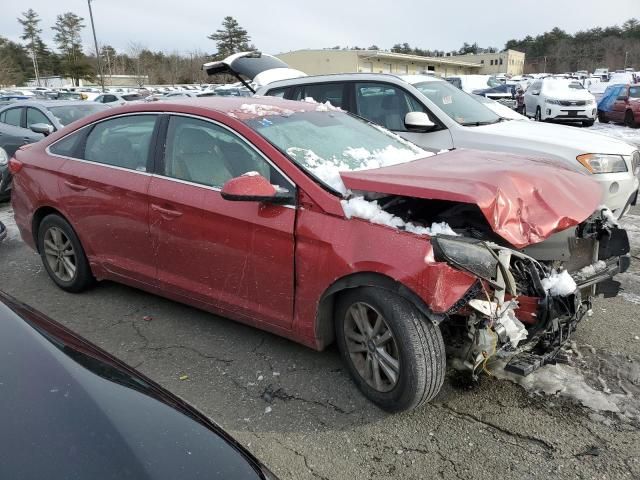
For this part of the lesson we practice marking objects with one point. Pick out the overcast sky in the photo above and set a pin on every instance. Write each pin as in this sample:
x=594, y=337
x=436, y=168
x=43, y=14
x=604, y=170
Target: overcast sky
x=284, y=25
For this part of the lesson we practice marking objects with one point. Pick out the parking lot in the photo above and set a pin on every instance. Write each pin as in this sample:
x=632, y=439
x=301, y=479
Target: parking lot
x=299, y=412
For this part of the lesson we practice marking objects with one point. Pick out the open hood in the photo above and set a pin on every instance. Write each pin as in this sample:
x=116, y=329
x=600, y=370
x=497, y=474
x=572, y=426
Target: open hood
x=524, y=200
x=259, y=67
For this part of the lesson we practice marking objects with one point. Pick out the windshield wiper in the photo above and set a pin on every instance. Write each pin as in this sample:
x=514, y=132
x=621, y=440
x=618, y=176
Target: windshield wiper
x=479, y=124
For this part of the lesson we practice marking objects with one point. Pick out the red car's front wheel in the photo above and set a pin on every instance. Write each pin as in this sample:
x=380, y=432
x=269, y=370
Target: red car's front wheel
x=394, y=354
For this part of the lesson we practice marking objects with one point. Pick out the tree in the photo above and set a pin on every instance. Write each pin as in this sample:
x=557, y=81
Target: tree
x=31, y=34
x=231, y=38
x=74, y=64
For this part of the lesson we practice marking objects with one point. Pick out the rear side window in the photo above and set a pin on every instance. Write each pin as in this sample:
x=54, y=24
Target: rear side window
x=121, y=142
x=68, y=146
x=277, y=92
x=13, y=116
x=323, y=92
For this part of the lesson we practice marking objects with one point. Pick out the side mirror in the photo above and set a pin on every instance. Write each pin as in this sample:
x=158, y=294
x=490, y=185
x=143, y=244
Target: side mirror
x=418, y=122
x=43, y=128
x=253, y=187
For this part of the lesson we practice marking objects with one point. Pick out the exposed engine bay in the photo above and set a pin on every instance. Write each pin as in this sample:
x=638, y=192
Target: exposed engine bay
x=526, y=303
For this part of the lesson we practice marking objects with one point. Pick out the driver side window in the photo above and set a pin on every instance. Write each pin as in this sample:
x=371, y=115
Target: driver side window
x=385, y=104
x=201, y=152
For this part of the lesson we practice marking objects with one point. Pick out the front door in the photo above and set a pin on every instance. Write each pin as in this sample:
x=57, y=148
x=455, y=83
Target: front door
x=104, y=192
x=237, y=257
x=619, y=107
x=387, y=105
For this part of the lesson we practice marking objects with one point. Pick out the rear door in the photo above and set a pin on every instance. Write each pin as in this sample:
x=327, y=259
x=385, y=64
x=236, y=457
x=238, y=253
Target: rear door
x=235, y=256
x=104, y=191
x=619, y=106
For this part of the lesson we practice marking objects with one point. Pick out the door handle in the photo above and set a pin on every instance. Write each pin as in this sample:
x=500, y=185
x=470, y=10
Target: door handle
x=75, y=186
x=165, y=211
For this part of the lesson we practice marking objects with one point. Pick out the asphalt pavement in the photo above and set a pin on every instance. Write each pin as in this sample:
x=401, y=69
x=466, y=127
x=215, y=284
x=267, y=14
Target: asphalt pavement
x=299, y=412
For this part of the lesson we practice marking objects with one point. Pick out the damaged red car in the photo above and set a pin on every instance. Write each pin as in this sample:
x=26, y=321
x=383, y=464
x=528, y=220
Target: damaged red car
x=313, y=224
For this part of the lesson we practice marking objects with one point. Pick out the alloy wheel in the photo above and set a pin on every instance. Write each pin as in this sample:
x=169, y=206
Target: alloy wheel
x=60, y=255
x=372, y=346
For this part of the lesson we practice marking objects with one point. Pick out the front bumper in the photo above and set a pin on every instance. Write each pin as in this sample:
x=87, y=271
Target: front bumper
x=568, y=113
x=619, y=190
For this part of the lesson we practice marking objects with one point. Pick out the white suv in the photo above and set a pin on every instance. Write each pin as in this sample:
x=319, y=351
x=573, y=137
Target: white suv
x=457, y=121
x=560, y=100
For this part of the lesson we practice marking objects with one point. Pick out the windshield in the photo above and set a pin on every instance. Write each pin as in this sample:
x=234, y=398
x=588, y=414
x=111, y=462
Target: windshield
x=132, y=97
x=326, y=143
x=70, y=113
x=561, y=86
x=458, y=105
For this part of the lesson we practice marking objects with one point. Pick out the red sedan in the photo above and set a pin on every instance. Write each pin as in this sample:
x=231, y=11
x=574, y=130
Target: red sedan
x=318, y=226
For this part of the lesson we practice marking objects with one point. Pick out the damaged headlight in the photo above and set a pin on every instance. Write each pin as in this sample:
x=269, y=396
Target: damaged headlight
x=601, y=163
x=467, y=254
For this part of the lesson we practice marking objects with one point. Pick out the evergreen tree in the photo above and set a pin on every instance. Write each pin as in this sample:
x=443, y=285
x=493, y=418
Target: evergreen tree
x=231, y=38
x=31, y=35
x=74, y=63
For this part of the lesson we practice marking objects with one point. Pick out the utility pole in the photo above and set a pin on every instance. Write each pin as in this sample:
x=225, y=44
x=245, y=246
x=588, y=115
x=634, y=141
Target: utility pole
x=626, y=56
x=35, y=64
x=545, y=64
x=95, y=41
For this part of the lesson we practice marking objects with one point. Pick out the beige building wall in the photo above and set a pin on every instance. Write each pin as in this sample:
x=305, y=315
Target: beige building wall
x=320, y=62
x=510, y=61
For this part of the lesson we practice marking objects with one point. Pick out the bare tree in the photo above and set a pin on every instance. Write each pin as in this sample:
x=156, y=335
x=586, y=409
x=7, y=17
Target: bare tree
x=135, y=50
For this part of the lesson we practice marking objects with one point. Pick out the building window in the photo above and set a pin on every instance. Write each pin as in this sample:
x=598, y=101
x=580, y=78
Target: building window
x=500, y=61
x=481, y=62
x=366, y=67
x=491, y=62
x=403, y=69
x=386, y=68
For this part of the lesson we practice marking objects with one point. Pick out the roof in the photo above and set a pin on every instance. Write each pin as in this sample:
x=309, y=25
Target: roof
x=396, y=56
x=243, y=108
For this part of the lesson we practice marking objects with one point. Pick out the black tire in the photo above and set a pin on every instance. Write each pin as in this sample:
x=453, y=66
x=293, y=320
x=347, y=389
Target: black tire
x=417, y=344
x=538, y=117
x=629, y=120
x=82, y=278
x=588, y=123
x=602, y=117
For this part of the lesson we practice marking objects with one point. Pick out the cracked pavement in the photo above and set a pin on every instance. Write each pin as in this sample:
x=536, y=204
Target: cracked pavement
x=299, y=412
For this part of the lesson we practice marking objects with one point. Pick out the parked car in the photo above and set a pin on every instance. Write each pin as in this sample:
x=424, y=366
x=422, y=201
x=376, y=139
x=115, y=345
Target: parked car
x=560, y=100
x=3, y=231
x=96, y=417
x=500, y=109
x=623, y=78
x=190, y=93
x=319, y=226
x=114, y=99
x=29, y=121
x=460, y=121
x=486, y=86
x=620, y=103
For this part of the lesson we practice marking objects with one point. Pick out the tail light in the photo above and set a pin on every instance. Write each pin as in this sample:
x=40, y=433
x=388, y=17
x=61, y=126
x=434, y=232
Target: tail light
x=15, y=166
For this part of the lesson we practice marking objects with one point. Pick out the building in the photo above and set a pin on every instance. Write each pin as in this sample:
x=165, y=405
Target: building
x=509, y=61
x=320, y=62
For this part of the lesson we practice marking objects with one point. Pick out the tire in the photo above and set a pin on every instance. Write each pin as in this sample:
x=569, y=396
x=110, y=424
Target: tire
x=588, y=123
x=629, y=120
x=416, y=344
x=62, y=255
x=538, y=117
x=602, y=117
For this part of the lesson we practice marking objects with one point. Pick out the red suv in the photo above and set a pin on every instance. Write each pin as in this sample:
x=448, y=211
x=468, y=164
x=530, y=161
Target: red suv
x=318, y=226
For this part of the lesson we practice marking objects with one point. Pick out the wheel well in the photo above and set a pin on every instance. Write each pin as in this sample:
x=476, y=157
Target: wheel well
x=38, y=216
x=325, y=333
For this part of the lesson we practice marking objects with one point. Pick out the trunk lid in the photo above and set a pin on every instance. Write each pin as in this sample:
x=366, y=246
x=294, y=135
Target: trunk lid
x=524, y=200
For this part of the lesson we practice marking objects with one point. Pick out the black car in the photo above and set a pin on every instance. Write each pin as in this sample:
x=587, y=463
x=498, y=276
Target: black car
x=28, y=121
x=72, y=411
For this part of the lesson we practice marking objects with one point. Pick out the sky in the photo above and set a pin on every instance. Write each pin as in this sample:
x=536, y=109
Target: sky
x=284, y=25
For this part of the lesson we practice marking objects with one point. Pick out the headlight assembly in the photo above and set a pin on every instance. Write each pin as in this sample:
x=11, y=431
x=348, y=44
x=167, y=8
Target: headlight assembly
x=466, y=254
x=4, y=158
x=601, y=163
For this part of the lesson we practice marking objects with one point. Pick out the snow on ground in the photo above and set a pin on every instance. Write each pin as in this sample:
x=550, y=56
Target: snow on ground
x=622, y=132
x=631, y=223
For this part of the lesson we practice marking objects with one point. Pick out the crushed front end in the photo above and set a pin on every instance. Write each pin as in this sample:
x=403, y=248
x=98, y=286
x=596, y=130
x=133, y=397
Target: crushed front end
x=525, y=309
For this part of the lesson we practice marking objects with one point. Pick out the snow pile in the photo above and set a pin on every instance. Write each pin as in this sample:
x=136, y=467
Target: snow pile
x=564, y=381
x=358, y=207
x=264, y=110
x=384, y=157
x=608, y=216
x=322, y=107
x=327, y=171
x=559, y=283
x=591, y=270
